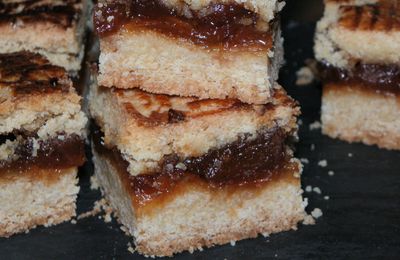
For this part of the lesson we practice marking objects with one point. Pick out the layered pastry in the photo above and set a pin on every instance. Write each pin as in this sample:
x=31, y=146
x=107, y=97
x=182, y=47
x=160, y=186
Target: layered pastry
x=42, y=133
x=206, y=49
x=357, y=45
x=183, y=173
x=60, y=26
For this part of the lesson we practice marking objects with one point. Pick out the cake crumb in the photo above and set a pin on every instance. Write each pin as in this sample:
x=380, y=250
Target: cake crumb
x=308, y=220
x=331, y=173
x=350, y=155
x=73, y=221
x=300, y=122
x=233, y=243
x=317, y=190
x=130, y=248
x=305, y=76
x=316, y=213
x=99, y=206
x=312, y=147
x=181, y=166
x=110, y=18
x=323, y=163
x=314, y=126
x=95, y=210
x=326, y=197
x=107, y=218
x=305, y=202
x=125, y=230
x=304, y=160
x=94, y=184
x=308, y=188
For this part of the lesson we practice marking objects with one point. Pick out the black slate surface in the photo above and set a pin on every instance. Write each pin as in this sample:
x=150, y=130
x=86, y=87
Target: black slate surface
x=361, y=219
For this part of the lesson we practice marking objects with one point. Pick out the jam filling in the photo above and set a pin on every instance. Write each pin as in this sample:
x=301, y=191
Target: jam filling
x=31, y=11
x=56, y=153
x=227, y=26
x=247, y=161
x=376, y=77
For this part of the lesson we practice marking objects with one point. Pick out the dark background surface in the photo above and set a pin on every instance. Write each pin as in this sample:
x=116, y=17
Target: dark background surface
x=361, y=219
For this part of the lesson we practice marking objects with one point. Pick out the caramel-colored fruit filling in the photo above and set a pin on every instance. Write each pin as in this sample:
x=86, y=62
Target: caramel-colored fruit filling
x=51, y=154
x=379, y=78
x=225, y=25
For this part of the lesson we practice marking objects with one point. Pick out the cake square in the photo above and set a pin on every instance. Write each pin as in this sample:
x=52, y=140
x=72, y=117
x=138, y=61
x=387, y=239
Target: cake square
x=357, y=45
x=206, y=49
x=42, y=136
x=183, y=173
x=60, y=24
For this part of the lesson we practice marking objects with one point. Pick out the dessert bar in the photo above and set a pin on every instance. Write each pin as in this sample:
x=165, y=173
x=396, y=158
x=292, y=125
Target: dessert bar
x=42, y=136
x=357, y=45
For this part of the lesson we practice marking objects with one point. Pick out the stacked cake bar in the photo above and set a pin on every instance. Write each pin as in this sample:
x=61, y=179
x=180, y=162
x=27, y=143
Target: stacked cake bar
x=42, y=133
x=358, y=48
x=52, y=28
x=42, y=126
x=192, y=139
x=208, y=49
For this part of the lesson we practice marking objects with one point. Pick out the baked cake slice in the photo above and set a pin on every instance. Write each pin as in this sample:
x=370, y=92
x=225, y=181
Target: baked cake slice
x=206, y=49
x=183, y=173
x=42, y=133
x=60, y=25
x=357, y=46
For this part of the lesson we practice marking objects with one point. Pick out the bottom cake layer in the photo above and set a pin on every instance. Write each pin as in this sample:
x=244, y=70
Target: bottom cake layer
x=195, y=215
x=355, y=113
x=36, y=197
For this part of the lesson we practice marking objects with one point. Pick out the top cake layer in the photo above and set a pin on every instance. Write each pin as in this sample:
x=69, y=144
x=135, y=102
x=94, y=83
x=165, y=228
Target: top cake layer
x=222, y=52
x=145, y=127
x=352, y=31
x=37, y=98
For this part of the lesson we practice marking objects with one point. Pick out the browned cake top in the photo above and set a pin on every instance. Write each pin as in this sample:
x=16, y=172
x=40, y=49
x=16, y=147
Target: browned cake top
x=27, y=73
x=62, y=13
x=382, y=16
x=155, y=109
